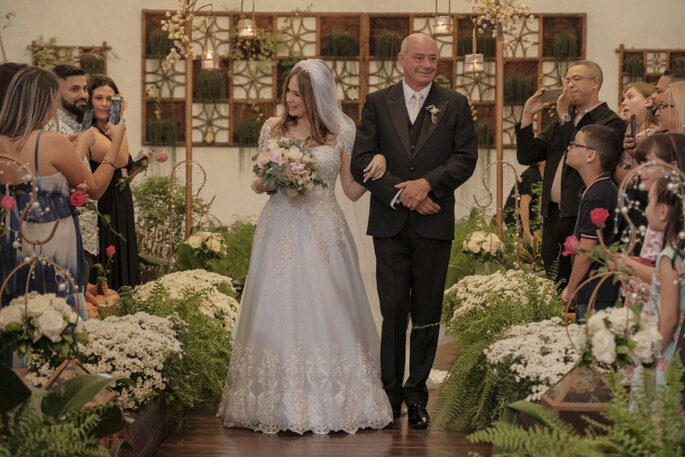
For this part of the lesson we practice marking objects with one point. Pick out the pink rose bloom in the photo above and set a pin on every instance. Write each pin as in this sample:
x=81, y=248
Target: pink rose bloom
x=599, y=216
x=570, y=245
x=8, y=202
x=163, y=157
x=297, y=168
x=276, y=155
x=110, y=251
x=78, y=198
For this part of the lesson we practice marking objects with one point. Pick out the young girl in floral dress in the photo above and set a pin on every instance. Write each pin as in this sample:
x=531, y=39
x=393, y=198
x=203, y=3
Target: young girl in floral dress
x=666, y=304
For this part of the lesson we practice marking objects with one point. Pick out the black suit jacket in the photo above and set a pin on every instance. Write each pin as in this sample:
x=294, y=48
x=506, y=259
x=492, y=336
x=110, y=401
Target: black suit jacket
x=551, y=146
x=445, y=154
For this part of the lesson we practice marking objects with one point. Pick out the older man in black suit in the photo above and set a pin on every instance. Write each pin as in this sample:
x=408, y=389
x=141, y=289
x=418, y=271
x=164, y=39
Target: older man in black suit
x=426, y=134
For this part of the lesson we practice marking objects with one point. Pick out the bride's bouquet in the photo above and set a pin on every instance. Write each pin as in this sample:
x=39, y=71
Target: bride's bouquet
x=287, y=164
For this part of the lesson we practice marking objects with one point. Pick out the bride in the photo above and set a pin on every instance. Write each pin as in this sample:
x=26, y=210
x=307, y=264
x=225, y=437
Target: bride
x=305, y=350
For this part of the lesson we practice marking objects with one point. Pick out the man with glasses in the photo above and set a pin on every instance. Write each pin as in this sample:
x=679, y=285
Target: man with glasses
x=577, y=107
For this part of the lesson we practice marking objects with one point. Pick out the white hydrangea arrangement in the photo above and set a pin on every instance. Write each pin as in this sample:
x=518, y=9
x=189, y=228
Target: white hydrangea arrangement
x=219, y=304
x=483, y=243
x=46, y=323
x=535, y=356
x=472, y=292
x=620, y=337
x=135, y=346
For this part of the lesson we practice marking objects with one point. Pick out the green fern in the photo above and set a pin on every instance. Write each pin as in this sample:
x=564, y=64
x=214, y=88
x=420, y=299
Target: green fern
x=644, y=422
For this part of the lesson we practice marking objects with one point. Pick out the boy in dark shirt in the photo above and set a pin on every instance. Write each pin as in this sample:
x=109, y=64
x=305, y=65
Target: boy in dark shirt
x=594, y=154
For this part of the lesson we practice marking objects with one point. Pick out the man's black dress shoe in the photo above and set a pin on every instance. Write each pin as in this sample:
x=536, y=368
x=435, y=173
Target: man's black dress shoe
x=396, y=411
x=418, y=416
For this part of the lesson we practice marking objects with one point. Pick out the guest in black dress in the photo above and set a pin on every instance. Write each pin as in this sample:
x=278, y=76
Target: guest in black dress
x=117, y=201
x=528, y=204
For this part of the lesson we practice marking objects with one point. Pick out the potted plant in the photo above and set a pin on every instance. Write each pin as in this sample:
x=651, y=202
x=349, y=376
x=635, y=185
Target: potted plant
x=634, y=68
x=93, y=63
x=248, y=132
x=485, y=44
x=517, y=89
x=162, y=132
x=158, y=43
x=210, y=86
x=565, y=46
x=388, y=44
x=339, y=43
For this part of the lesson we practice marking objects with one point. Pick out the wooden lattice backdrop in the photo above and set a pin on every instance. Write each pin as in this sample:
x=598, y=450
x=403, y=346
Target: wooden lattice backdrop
x=303, y=34
x=652, y=61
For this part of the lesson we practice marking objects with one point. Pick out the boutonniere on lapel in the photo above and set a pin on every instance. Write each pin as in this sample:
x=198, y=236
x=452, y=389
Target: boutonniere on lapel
x=434, y=110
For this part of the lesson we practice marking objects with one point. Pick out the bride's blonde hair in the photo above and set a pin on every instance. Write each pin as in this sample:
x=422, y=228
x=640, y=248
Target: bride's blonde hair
x=320, y=132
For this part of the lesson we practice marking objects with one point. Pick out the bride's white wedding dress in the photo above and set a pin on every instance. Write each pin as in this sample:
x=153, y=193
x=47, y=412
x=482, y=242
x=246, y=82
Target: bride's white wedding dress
x=305, y=352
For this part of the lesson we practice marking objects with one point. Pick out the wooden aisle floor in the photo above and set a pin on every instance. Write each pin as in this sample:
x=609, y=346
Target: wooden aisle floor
x=204, y=436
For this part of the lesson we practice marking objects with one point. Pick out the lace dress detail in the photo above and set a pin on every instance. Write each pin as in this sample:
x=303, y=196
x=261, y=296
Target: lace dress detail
x=305, y=354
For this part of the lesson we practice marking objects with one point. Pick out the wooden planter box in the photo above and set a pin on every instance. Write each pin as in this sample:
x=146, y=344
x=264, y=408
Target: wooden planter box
x=151, y=426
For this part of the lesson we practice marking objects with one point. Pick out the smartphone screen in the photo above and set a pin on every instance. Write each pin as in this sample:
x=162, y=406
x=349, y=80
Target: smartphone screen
x=87, y=120
x=633, y=125
x=115, y=110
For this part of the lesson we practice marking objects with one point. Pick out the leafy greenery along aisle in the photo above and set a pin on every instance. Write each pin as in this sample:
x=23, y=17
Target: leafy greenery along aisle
x=644, y=422
x=478, y=310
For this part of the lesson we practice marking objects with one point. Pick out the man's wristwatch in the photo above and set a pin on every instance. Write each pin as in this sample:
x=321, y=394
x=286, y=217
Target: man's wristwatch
x=565, y=118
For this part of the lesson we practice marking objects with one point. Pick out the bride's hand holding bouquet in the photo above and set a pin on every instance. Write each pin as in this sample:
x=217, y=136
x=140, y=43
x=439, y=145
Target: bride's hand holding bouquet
x=287, y=164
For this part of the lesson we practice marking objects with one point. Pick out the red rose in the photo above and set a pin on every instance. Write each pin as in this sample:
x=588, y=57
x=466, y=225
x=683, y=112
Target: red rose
x=162, y=157
x=570, y=245
x=110, y=251
x=78, y=198
x=599, y=216
x=8, y=202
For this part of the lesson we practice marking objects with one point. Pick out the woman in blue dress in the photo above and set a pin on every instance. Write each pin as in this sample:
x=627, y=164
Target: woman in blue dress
x=58, y=168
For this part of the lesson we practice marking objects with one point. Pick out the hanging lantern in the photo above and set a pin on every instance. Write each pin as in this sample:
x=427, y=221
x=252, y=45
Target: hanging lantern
x=247, y=28
x=474, y=63
x=442, y=25
x=209, y=61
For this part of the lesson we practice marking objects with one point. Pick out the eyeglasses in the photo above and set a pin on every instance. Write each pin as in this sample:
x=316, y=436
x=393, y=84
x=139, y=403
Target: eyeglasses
x=577, y=78
x=573, y=144
x=664, y=106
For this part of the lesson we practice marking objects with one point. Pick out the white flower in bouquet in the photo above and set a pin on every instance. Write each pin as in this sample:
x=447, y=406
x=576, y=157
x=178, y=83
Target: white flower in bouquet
x=50, y=324
x=604, y=346
x=644, y=350
x=37, y=304
x=621, y=321
x=212, y=240
x=11, y=314
x=482, y=242
x=596, y=322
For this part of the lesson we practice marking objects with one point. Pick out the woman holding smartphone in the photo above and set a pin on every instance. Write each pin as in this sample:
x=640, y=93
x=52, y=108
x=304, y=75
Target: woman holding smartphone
x=117, y=201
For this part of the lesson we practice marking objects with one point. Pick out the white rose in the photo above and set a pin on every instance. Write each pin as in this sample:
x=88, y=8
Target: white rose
x=604, y=346
x=596, y=322
x=292, y=153
x=37, y=303
x=642, y=352
x=194, y=241
x=654, y=336
x=11, y=313
x=50, y=324
x=214, y=245
x=621, y=320
x=474, y=246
